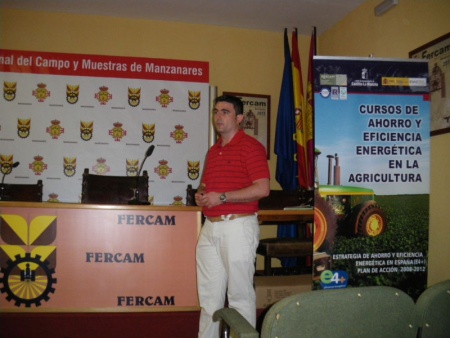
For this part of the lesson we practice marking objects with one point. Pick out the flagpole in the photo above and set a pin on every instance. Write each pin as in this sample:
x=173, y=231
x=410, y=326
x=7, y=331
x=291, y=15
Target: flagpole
x=309, y=111
x=315, y=40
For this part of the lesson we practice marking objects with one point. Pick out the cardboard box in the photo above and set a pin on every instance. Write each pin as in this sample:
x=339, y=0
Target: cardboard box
x=270, y=289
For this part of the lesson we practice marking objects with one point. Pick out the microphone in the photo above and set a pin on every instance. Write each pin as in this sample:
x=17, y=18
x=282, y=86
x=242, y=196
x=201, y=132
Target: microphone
x=135, y=200
x=148, y=153
x=7, y=172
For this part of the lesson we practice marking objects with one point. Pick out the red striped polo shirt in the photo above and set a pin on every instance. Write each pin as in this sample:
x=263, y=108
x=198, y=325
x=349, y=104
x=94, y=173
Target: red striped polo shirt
x=232, y=167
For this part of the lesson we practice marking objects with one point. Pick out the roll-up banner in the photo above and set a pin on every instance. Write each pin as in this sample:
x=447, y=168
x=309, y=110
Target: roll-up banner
x=372, y=144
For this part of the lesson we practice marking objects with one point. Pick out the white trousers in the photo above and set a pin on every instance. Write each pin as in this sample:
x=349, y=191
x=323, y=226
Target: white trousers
x=226, y=253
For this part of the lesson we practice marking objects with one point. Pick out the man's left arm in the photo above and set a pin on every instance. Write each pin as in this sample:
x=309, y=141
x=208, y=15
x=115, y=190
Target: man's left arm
x=259, y=189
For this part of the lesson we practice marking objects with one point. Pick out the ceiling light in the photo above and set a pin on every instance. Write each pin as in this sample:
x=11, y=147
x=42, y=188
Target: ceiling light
x=385, y=6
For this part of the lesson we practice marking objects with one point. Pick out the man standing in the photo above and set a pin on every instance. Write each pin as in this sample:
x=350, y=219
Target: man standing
x=235, y=177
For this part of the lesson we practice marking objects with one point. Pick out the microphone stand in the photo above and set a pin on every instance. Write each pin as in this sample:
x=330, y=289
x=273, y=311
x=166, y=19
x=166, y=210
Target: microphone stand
x=2, y=186
x=135, y=200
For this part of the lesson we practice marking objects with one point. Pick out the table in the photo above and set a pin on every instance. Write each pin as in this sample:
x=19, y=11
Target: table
x=302, y=215
x=103, y=258
x=285, y=247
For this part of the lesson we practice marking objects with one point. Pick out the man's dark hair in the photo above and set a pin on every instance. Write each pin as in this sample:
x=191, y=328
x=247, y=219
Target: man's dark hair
x=234, y=100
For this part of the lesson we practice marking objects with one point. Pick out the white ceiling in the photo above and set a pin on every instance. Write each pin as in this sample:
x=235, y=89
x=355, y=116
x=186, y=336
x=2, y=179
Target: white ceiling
x=266, y=15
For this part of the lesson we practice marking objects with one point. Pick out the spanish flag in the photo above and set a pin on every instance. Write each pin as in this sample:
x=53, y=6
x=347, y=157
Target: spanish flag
x=299, y=104
x=286, y=145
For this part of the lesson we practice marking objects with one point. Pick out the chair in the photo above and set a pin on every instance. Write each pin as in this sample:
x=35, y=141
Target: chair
x=284, y=248
x=22, y=192
x=104, y=189
x=433, y=308
x=269, y=248
x=374, y=311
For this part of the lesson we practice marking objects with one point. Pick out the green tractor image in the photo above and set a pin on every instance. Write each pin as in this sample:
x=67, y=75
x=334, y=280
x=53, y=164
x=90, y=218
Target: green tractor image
x=346, y=210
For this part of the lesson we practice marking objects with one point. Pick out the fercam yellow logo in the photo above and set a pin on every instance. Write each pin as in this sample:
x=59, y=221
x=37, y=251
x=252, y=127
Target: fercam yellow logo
x=70, y=166
x=72, y=93
x=9, y=90
x=6, y=164
x=86, y=130
x=27, y=263
x=193, y=169
x=132, y=167
x=148, y=132
x=134, y=96
x=23, y=127
x=194, y=99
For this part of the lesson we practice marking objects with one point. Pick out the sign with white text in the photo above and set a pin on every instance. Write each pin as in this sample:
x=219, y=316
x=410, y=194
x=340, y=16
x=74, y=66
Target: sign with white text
x=372, y=137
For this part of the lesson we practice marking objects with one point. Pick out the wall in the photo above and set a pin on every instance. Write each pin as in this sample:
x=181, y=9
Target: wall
x=409, y=25
x=247, y=61
x=252, y=62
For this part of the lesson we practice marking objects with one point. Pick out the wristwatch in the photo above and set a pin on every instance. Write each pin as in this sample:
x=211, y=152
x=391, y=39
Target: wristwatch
x=223, y=198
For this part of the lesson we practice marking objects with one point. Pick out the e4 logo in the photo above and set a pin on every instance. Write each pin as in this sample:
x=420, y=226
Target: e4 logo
x=333, y=279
